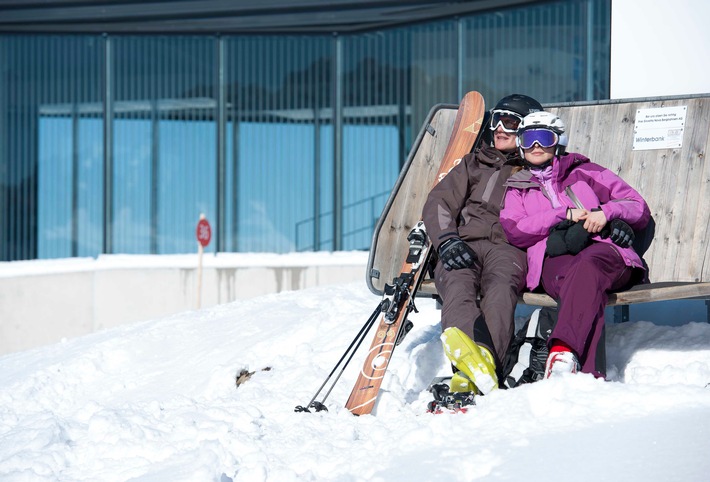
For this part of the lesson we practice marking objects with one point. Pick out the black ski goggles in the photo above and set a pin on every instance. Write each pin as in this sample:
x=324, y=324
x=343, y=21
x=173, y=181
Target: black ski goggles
x=508, y=120
x=542, y=137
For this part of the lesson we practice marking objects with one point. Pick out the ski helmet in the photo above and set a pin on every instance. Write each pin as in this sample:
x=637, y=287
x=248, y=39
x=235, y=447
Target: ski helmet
x=518, y=103
x=539, y=126
x=510, y=110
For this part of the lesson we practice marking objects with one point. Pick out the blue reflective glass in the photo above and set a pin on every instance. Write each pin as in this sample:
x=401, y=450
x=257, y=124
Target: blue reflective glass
x=117, y=143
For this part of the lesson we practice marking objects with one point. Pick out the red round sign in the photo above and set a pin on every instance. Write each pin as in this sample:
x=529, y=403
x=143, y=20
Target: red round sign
x=204, y=232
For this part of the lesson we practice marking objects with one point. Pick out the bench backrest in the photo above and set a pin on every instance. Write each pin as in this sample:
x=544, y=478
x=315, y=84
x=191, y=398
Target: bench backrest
x=674, y=181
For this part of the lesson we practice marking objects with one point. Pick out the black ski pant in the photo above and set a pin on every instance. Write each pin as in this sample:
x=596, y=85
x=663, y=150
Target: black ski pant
x=481, y=300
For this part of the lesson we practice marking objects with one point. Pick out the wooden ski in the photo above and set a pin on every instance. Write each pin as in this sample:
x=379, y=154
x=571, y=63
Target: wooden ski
x=399, y=296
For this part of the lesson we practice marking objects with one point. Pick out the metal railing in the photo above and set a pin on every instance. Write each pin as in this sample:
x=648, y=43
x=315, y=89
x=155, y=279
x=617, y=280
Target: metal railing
x=375, y=204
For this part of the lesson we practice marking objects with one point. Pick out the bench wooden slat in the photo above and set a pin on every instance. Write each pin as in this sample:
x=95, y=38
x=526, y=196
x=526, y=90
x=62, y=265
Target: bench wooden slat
x=638, y=294
x=648, y=293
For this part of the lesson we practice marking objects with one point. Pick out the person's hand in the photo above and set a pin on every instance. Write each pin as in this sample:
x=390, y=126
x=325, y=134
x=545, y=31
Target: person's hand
x=594, y=221
x=455, y=254
x=575, y=214
x=620, y=233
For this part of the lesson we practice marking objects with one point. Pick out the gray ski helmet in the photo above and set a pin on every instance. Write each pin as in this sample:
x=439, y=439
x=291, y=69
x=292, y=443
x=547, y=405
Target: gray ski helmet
x=518, y=103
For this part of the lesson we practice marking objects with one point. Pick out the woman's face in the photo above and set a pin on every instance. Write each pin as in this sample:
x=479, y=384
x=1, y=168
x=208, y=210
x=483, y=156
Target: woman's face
x=538, y=155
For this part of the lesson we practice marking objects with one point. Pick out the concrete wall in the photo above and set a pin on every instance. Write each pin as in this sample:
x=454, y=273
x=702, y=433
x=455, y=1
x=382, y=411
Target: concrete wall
x=41, y=303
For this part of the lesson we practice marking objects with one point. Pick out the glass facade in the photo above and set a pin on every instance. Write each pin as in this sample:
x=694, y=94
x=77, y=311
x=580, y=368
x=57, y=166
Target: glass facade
x=116, y=144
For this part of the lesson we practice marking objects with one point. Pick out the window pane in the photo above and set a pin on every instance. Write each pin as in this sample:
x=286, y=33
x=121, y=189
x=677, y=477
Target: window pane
x=55, y=188
x=56, y=135
x=164, y=142
x=278, y=100
x=391, y=80
x=131, y=184
x=554, y=52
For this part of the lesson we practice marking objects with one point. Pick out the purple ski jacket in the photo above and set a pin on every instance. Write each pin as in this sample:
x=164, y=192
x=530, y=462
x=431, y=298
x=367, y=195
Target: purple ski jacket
x=529, y=214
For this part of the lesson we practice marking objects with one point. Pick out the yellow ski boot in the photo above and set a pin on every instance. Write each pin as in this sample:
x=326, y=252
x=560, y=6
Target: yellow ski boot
x=460, y=383
x=474, y=361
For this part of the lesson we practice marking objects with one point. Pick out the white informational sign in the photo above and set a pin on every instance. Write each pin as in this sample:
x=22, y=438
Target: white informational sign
x=659, y=128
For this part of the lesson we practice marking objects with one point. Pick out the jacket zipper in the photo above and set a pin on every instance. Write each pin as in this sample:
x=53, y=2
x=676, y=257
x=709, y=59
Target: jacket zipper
x=573, y=197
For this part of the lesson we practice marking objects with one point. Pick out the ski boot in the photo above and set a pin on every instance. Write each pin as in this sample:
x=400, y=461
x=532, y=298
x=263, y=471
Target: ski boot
x=474, y=361
x=448, y=401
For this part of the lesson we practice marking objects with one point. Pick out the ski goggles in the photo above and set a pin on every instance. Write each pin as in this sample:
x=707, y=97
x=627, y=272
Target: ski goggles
x=508, y=120
x=542, y=137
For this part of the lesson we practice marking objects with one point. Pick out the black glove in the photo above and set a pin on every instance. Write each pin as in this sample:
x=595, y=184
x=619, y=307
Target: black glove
x=556, y=244
x=619, y=232
x=577, y=238
x=455, y=254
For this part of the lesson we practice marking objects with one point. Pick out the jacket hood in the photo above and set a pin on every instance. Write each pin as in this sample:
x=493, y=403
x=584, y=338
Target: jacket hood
x=562, y=165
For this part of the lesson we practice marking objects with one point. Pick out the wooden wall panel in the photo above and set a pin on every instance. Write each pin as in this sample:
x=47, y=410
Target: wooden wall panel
x=674, y=182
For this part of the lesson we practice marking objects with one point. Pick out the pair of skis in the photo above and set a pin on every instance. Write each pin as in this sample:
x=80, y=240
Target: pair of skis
x=398, y=298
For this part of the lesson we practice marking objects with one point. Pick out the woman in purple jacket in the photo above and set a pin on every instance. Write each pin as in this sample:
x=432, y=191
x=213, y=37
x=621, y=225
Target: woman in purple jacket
x=577, y=220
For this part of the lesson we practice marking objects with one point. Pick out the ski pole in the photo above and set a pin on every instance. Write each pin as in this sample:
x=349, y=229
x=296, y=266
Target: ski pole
x=354, y=345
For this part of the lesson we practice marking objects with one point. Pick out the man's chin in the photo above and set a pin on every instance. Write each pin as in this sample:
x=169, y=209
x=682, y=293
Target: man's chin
x=504, y=146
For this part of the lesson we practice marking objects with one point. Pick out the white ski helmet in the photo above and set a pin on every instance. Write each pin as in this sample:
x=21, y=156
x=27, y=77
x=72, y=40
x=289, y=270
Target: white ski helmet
x=547, y=121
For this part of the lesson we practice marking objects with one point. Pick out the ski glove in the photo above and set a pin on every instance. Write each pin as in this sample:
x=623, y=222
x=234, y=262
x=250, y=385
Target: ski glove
x=577, y=238
x=619, y=232
x=556, y=243
x=455, y=254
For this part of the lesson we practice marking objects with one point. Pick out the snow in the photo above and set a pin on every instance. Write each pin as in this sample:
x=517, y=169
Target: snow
x=157, y=401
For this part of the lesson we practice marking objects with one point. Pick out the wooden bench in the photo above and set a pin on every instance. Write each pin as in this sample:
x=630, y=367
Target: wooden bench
x=674, y=181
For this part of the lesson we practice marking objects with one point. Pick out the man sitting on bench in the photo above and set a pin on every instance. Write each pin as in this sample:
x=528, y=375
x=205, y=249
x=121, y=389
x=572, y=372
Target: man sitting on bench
x=461, y=215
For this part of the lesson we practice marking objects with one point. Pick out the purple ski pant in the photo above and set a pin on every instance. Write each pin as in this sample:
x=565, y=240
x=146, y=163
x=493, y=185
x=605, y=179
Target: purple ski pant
x=581, y=284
